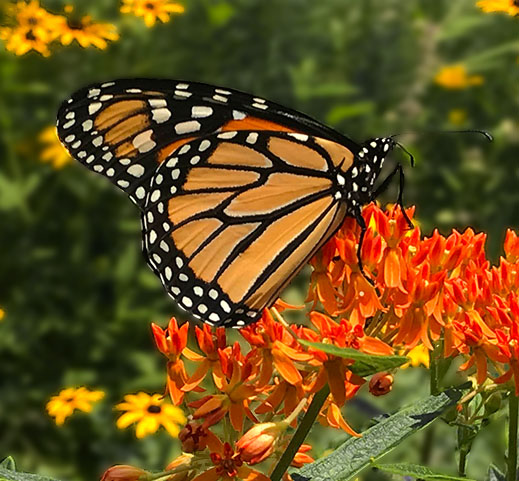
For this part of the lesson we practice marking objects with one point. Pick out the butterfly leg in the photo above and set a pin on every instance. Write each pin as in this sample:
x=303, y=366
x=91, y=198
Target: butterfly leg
x=400, y=199
x=363, y=228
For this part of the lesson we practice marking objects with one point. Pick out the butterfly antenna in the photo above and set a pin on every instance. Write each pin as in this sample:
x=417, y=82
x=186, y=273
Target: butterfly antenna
x=411, y=156
x=484, y=133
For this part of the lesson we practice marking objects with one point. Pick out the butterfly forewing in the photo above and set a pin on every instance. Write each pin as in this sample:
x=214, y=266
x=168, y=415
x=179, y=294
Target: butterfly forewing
x=231, y=217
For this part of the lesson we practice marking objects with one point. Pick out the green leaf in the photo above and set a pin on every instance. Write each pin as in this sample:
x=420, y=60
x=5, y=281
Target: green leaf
x=8, y=463
x=495, y=474
x=416, y=471
x=365, y=364
x=358, y=453
x=10, y=475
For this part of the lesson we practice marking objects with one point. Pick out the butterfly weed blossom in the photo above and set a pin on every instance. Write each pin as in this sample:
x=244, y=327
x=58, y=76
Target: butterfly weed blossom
x=418, y=295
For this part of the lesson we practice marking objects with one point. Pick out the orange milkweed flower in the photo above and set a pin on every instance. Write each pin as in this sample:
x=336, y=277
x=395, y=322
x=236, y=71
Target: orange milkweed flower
x=331, y=416
x=123, y=472
x=172, y=342
x=283, y=393
x=237, y=392
x=228, y=466
x=209, y=343
x=275, y=348
x=259, y=442
x=381, y=383
x=196, y=437
x=301, y=458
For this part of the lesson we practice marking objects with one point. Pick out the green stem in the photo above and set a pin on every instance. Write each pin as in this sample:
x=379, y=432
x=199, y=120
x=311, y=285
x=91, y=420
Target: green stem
x=299, y=436
x=513, y=406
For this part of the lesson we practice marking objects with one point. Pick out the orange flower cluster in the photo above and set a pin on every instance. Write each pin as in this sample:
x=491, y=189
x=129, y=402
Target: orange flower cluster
x=424, y=289
x=415, y=294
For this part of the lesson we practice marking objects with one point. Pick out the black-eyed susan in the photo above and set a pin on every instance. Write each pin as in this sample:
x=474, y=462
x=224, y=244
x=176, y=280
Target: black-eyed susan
x=418, y=356
x=149, y=412
x=53, y=152
x=511, y=7
x=68, y=400
x=20, y=40
x=456, y=77
x=85, y=31
x=31, y=16
x=152, y=10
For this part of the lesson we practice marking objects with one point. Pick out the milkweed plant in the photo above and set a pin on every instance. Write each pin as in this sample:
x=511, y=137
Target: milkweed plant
x=243, y=409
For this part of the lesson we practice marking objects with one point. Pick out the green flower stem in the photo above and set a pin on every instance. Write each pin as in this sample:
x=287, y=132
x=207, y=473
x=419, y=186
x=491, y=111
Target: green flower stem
x=299, y=436
x=513, y=406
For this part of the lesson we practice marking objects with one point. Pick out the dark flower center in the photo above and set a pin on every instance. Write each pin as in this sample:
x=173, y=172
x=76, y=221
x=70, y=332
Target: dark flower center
x=74, y=24
x=154, y=409
x=30, y=36
x=32, y=20
x=150, y=6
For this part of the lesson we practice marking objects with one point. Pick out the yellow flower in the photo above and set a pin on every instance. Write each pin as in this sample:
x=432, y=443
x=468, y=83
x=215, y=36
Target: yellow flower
x=456, y=77
x=53, y=151
x=64, y=404
x=152, y=10
x=85, y=31
x=508, y=6
x=21, y=40
x=149, y=412
x=419, y=355
x=2, y=314
x=457, y=116
x=32, y=16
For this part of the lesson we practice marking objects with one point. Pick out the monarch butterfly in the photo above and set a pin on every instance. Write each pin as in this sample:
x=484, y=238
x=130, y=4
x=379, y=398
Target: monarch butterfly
x=236, y=193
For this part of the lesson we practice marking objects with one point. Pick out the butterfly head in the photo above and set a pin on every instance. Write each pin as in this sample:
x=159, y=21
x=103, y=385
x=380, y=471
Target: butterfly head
x=366, y=169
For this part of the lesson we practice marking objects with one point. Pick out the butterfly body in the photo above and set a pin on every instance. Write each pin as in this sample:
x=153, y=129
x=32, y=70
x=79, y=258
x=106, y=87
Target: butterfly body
x=236, y=193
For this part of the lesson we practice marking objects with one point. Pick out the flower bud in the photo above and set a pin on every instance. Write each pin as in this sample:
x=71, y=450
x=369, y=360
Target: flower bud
x=182, y=464
x=123, y=472
x=258, y=443
x=381, y=383
x=193, y=437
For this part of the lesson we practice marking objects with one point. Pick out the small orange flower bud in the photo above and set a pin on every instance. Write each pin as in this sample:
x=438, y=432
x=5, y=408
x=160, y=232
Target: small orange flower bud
x=123, y=472
x=182, y=464
x=381, y=383
x=193, y=437
x=258, y=443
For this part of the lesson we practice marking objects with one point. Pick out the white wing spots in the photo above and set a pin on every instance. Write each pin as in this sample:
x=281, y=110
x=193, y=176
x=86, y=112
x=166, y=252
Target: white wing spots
x=69, y=124
x=373, y=144
x=240, y=323
x=179, y=262
x=187, y=301
x=260, y=106
x=213, y=294
x=108, y=156
x=228, y=135
x=182, y=86
x=157, y=258
x=175, y=174
x=341, y=179
x=94, y=107
x=194, y=160
x=237, y=115
x=172, y=162
x=143, y=141
x=134, y=91
x=187, y=127
x=182, y=277
x=201, y=111
x=123, y=183
x=81, y=155
x=175, y=291
x=164, y=246
x=220, y=98
x=386, y=147
x=198, y=291
x=214, y=317
x=225, y=306
x=93, y=92
x=204, y=145
x=259, y=100
x=110, y=172
x=157, y=103
x=161, y=115
x=76, y=144
x=355, y=187
x=166, y=226
x=184, y=149
x=338, y=195
x=98, y=168
x=361, y=154
x=158, y=179
x=90, y=159
x=183, y=93
x=365, y=150
x=107, y=84
x=155, y=195
x=152, y=236
x=160, y=207
x=70, y=138
x=168, y=273
x=367, y=169
x=70, y=115
x=202, y=308
x=136, y=170
x=251, y=313
x=222, y=91
x=301, y=137
x=97, y=141
x=87, y=125
x=354, y=172
x=106, y=97
x=252, y=138
x=125, y=161
x=140, y=192
x=173, y=189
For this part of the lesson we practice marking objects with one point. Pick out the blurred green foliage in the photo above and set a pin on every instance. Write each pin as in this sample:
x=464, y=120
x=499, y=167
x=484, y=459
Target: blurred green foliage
x=77, y=293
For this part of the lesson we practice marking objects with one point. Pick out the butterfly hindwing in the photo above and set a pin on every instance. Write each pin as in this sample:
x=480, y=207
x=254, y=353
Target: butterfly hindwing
x=230, y=218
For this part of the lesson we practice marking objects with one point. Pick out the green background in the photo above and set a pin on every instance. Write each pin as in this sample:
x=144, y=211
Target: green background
x=77, y=293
